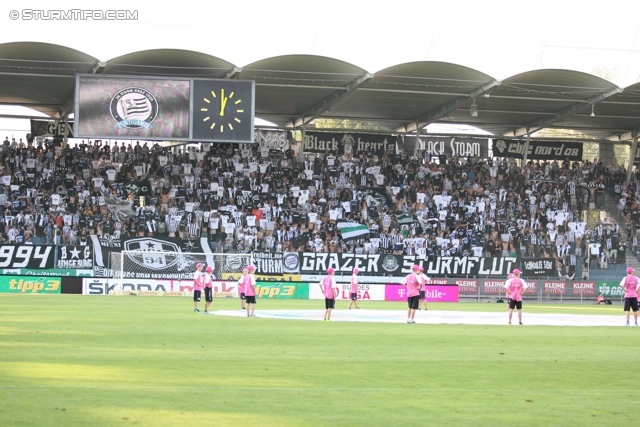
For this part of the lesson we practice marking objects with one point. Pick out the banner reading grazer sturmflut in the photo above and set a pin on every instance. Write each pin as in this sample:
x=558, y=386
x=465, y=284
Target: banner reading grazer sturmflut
x=538, y=150
x=341, y=143
x=32, y=285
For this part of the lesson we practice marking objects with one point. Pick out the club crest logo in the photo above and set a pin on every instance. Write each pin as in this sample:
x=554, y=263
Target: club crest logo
x=154, y=254
x=390, y=263
x=134, y=108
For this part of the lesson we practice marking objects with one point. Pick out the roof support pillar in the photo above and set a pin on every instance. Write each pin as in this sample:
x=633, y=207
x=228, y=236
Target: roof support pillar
x=632, y=154
x=415, y=146
x=526, y=150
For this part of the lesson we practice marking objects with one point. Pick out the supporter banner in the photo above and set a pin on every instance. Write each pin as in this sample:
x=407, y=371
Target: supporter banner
x=267, y=263
x=465, y=266
x=51, y=128
x=282, y=290
x=317, y=263
x=37, y=285
x=555, y=287
x=234, y=276
x=467, y=286
x=60, y=272
x=538, y=150
x=538, y=267
x=450, y=146
x=341, y=143
x=272, y=139
x=102, y=248
x=610, y=288
x=27, y=256
x=313, y=263
x=433, y=293
x=345, y=277
x=584, y=288
x=75, y=257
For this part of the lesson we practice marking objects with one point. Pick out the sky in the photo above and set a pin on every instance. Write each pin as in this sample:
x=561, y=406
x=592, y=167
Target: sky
x=499, y=38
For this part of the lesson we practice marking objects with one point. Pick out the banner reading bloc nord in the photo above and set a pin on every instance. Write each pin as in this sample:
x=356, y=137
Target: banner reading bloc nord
x=36, y=285
x=282, y=290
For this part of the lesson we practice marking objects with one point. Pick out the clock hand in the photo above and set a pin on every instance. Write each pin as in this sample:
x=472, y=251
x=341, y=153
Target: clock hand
x=223, y=102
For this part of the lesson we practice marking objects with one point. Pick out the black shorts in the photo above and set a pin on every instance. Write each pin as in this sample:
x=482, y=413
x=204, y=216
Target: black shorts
x=208, y=294
x=414, y=302
x=422, y=294
x=515, y=304
x=250, y=299
x=242, y=295
x=329, y=303
x=197, y=295
x=631, y=303
x=353, y=296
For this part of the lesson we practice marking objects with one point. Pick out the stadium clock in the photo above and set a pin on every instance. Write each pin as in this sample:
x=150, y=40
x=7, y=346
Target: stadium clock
x=223, y=110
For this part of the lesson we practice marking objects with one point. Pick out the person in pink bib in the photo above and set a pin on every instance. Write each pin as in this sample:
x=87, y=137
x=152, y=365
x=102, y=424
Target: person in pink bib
x=425, y=279
x=514, y=288
x=630, y=286
x=330, y=290
x=414, y=286
x=208, y=289
x=353, y=292
x=241, y=288
x=250, y=291
x=198, y=282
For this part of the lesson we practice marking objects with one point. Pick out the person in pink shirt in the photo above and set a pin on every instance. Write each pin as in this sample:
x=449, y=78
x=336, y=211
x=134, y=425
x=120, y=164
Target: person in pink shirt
x=630, y=286
x=250, y=291
x=198, y=281
x=330, y=290
x=208, y=289
x=414, y=286
x=353, y=292
x=241, y=288
x=425, y=279
x=514, y=289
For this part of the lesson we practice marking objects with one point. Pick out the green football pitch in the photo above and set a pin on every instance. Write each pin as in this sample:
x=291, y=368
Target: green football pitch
x=70, y=360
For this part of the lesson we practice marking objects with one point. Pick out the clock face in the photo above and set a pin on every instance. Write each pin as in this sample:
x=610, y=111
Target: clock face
x=223, y=110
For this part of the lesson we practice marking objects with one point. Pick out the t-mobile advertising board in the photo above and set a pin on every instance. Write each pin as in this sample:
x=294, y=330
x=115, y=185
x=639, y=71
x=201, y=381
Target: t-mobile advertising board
x=433, y=293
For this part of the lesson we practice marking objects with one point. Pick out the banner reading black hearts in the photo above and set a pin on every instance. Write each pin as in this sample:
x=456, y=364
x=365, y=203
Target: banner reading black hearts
x=341, y=143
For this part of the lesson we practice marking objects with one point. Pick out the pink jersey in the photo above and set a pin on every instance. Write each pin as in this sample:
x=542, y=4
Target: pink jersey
x=249, y=286
x=515, y=288
x=198, y=281
x=413, y=285
x=328, y=286
x=630, y=285
x=208, y=281
x=241, y=284
x=354, y=284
